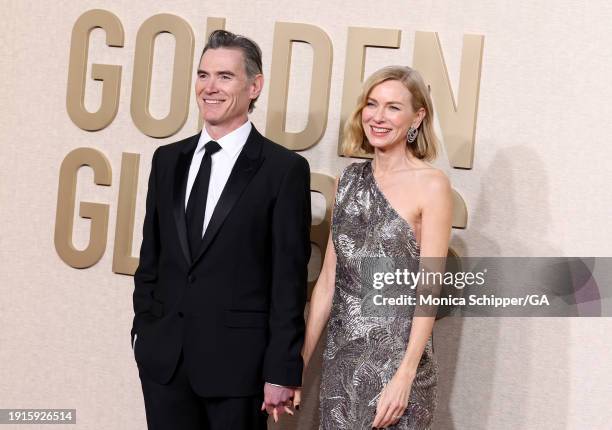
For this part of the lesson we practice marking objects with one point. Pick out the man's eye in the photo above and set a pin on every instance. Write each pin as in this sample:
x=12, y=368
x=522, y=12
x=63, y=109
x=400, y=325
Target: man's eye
x=225, y=77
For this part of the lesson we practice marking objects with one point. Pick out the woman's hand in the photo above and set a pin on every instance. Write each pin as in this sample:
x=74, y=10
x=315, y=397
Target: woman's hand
x=393, y=400
x=297, y=398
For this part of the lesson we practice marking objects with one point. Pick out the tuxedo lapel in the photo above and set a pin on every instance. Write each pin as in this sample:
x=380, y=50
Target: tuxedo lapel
x=246, y=166
x=181, y=171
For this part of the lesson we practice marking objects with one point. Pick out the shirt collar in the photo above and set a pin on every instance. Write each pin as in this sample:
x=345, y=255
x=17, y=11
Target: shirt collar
x=231, y=143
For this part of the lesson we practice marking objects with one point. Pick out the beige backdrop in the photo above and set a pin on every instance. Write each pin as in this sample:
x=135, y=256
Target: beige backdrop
x=539, y=186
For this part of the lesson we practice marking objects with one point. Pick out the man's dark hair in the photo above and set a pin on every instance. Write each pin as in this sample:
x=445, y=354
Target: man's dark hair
x=250, y=51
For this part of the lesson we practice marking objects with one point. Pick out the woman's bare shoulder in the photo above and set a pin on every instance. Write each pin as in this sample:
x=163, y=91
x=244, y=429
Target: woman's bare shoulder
x=435, y=177
x=432, y=181
x=427, y=175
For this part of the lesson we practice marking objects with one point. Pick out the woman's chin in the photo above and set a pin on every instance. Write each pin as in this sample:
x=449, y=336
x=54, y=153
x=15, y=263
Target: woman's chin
x=383, y=145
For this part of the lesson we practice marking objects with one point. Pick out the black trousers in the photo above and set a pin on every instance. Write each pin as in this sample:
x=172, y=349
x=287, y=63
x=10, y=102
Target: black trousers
x=175, y=406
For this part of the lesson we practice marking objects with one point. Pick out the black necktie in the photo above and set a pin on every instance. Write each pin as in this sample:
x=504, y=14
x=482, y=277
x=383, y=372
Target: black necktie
x=196, y=205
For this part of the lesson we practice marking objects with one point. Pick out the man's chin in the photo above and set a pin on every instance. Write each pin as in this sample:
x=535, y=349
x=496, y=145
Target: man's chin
x=212, y=120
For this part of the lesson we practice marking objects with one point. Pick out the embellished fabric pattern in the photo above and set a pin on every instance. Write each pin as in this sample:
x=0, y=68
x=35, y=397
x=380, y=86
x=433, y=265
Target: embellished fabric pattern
x=363, y=352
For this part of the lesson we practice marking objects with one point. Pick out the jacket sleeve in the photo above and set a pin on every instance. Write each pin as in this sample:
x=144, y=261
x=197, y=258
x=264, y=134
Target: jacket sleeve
x=145, y=278
x=291, y=219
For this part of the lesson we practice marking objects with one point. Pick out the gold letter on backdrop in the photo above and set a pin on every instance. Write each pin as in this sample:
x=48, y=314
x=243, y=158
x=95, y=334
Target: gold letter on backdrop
x=181, y=75
x=212, y=24
x=77, y=70
x=319, y=233
x=97, y=212
x=123, y=261
x=457, y=120
x=284, y=35
x=460, y=214
x=358, y=40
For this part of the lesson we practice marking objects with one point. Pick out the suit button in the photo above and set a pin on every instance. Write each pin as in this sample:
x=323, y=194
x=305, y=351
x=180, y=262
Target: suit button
x=181, y=315
x=192, y=278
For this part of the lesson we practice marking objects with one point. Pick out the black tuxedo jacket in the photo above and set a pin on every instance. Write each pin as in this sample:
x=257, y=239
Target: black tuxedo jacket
x=236, y=307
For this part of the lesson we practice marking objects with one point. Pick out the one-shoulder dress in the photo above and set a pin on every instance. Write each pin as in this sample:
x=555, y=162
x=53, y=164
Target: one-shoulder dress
x=363, y=352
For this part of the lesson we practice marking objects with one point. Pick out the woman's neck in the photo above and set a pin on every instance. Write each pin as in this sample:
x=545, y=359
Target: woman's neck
x=391, y=159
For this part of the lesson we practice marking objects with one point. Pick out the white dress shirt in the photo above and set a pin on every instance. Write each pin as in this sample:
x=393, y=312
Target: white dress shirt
x=222, y=164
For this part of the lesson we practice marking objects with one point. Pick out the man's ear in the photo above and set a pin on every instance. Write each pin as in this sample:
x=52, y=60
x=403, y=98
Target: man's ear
x=256, y=86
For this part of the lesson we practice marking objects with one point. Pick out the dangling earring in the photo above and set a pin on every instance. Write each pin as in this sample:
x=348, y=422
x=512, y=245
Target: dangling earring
x=412, y=134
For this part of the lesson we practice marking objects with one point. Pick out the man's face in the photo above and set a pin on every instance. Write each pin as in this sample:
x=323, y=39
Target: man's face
x=223, y=90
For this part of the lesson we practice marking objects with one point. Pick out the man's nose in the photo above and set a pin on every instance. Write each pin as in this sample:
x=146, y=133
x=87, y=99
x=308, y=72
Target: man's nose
x=210, y=86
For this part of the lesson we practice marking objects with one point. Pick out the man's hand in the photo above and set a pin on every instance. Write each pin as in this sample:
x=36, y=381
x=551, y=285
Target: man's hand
x=277, y=400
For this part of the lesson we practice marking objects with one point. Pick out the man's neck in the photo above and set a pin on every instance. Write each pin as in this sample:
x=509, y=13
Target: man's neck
x=217, y=132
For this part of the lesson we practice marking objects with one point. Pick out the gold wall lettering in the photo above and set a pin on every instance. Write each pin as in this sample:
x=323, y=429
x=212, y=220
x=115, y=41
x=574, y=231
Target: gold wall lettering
x=457, y=119
x=110, y=75
x=212, y=24
x=319, y=233
x=360, y=38
x=181, y=75
x=96, y=212
x=123, y=261
x=285, y=34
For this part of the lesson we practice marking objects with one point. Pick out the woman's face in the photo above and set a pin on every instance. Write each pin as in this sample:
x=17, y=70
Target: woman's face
x=388, y=114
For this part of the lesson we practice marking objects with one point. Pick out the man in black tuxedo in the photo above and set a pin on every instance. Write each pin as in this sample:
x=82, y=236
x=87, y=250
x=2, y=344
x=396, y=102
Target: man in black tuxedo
x=221, y=285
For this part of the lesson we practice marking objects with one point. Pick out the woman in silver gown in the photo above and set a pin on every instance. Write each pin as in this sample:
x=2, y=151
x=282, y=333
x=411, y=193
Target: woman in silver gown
x=380, y=371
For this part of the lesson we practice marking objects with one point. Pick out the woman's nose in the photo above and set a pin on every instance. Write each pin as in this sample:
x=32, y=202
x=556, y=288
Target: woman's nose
x=379, y=115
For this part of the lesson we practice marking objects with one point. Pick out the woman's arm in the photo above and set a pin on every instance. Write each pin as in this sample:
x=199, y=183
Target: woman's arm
x=321, y=298
x=436, y=224
x=320, y=308
x=320, y=302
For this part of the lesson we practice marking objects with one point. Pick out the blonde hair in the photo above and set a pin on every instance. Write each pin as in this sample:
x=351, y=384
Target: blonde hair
x=425, y=145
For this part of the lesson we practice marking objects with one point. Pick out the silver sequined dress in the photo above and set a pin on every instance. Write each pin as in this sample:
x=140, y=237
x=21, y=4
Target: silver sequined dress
x=363, y=352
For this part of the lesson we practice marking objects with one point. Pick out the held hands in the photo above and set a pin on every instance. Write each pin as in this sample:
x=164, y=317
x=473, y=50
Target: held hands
x=277, y=400
x=297, y=398
x=393, y=401
x=297, y=395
